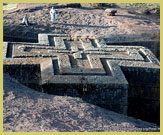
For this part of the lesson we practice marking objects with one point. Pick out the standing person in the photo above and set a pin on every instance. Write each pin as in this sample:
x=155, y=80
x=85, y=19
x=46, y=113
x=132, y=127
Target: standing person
x=53, y=15
x=25, y=20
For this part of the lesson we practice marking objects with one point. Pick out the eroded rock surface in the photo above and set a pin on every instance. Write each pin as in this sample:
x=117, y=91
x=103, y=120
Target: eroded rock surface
x=26, y=110
x=124, y=79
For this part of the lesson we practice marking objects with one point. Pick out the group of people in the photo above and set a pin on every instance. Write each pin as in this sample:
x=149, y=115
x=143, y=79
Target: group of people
x=52, y=12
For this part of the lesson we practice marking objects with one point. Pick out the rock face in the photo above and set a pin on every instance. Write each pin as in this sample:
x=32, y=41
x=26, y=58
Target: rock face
x=110, y=12
x=113, y=77
x=152, y=10
x=26, y=110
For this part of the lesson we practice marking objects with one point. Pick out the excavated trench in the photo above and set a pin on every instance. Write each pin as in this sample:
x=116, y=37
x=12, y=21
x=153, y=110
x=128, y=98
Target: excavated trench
x=138, y=107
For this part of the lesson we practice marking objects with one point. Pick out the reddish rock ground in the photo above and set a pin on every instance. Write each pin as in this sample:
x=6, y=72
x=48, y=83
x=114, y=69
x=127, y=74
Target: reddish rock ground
x=126, y=26
x=26, y=110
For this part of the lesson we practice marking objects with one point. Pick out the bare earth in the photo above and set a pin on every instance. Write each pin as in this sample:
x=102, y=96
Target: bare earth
x=126, y=26
x=26, y=110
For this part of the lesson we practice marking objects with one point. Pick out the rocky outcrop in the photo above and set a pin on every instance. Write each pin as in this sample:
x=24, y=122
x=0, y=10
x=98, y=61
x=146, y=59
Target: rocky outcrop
x=26, y=110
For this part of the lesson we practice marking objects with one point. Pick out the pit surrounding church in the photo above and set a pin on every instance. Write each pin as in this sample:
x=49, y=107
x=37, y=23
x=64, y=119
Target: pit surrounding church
x=124, y=79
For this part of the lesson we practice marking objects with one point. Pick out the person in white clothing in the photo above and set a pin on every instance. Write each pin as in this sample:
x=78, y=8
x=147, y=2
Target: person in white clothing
x=25, y=20
x=53, y=15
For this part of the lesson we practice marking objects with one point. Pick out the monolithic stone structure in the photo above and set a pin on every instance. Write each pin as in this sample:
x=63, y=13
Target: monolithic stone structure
x=114, y=77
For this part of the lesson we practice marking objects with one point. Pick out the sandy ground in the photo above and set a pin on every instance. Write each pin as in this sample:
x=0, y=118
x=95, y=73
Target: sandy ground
x=126, y=26
x=26, y=110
